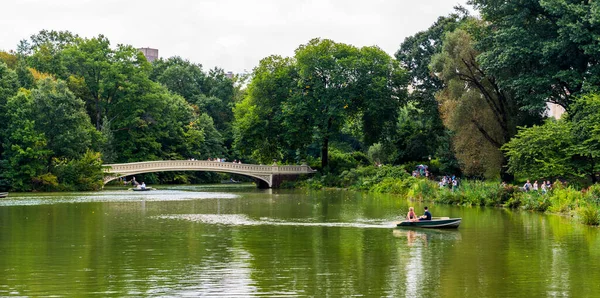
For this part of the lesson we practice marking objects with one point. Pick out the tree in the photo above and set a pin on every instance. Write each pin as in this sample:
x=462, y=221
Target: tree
x=26, y=155
x=8, y=88
x=421, y=119
x=212, y=93
x=10, y=58
x=474, y=107
x=310, y=98
x=102, y=76
x=45, y=51
x=339, y=82
x=544, y=51
x=62, y=119
x=567, y=148
x=258, y=127
x=542, y=151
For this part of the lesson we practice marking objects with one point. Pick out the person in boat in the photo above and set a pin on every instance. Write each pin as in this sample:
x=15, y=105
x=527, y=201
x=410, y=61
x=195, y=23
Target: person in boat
x=143, y=186
x=426, y=216
x=411, y=216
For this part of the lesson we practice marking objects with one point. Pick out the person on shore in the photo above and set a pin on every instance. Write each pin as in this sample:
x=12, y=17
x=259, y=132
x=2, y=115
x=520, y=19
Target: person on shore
x=527, y=186
x=411, y=216
x=426, y=215
x=535, y=185
x=544, y=189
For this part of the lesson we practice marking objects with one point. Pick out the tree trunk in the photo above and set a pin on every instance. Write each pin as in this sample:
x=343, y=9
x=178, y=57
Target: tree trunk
x=98, y=115
x=325, y=153
x=593, y=172
x=325, y=145
x=504, y=174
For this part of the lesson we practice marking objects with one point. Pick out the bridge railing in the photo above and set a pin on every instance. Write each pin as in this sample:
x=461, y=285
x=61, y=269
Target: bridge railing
x=204, y=164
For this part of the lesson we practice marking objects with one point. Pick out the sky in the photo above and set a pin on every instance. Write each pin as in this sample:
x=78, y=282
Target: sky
x=230, y=34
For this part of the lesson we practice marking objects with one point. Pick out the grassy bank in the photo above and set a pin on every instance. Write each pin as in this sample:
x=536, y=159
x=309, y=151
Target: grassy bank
x=581, y=205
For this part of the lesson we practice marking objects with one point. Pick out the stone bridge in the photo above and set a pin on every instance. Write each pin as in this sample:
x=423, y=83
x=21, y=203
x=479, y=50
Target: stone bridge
x=266, y=176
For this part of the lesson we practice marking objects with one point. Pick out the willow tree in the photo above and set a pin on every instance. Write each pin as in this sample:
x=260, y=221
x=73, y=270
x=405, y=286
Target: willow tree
x=482, y=115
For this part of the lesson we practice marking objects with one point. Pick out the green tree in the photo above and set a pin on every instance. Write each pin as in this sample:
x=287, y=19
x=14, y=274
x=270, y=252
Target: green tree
x=10, y=58
x=8, y=88
x=44, y=51
x=62, y=119
x=340, y=82
x=567, y=148
x=103, y=76
x=258, y=130
x=543, y=151
x=420, y=119
x=26, y=154
x=545, y=51
x=212, y=93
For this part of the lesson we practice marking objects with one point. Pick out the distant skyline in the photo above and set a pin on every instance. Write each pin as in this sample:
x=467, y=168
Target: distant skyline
x=230, y=34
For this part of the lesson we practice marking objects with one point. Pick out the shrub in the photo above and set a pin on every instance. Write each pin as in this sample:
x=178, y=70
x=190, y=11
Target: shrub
x=589, y=214
x=564, y=200
x=423, y=188
x=394, y=185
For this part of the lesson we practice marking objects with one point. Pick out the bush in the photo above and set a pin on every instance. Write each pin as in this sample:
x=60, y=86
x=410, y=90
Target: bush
x=423, y=188
x=394, y=185
x=340, y=162
x=589, y=214
x=564, y=200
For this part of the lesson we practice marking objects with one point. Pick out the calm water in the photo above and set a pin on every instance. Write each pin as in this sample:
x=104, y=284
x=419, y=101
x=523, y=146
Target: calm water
x=203, y=241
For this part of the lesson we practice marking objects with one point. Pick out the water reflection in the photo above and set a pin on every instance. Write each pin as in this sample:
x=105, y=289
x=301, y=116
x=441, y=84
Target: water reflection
x=190, y=242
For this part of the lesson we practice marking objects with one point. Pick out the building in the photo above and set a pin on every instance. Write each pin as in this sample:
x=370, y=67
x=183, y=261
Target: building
x=149, y=53
x=554, y=110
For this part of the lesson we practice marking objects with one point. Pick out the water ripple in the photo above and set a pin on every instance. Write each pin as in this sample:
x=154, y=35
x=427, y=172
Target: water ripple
x=243, y=220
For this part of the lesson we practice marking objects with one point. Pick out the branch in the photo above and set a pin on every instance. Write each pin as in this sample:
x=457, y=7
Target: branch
x=485, y=134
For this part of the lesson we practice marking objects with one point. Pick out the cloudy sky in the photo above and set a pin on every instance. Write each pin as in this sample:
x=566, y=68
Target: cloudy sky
x=231, y=34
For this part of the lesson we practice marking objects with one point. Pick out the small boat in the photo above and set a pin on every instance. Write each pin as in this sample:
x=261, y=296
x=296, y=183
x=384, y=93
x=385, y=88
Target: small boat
x=229, y=181
x=3, y=195
x=437, y=223
x=143, y=189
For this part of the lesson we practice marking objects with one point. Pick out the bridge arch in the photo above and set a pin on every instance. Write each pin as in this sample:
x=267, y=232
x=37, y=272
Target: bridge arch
x=270, y=175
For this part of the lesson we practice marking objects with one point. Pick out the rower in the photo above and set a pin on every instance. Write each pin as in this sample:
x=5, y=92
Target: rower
x=426, y=216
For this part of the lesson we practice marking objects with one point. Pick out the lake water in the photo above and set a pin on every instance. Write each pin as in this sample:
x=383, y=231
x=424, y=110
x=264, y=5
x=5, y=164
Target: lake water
x=238, y=241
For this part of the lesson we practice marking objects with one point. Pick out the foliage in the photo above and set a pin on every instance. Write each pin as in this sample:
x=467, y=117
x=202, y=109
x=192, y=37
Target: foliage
x=26, y=153
x=589, y=214
x=9, y=58
x=84, y=173
x=542, y=50
x=567, y=148
x=310, y=98
x=542, y=151
x=212, y=93
x=420, y=120
x=482, y=116
x=258, y=129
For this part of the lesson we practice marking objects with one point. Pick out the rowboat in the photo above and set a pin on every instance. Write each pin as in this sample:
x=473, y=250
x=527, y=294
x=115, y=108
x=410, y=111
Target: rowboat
x=143, y=189
x=3, y=194
x=437, y=223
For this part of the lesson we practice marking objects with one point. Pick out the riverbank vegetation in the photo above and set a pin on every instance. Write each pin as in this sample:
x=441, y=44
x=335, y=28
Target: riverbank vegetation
x=583, y=205
x=467, y=96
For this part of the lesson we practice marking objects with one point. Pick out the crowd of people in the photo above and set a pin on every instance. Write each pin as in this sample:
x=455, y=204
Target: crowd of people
x=544, y=186
x=218, y=159
x=451, y=182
